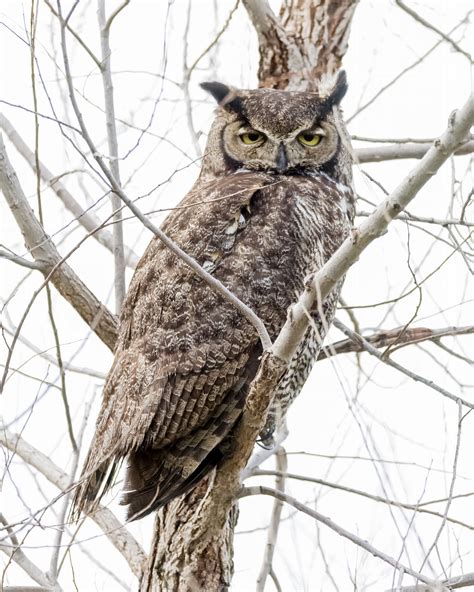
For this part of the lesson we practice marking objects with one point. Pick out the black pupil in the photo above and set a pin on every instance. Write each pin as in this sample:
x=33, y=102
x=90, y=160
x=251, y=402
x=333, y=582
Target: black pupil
x=308, y=137
x=253, y=136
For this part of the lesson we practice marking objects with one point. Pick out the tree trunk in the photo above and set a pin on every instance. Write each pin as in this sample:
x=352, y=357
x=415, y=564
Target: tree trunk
x=192, y=548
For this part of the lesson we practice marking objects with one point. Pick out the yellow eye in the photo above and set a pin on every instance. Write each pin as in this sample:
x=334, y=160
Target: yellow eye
x=251, y=137
x=309, y=139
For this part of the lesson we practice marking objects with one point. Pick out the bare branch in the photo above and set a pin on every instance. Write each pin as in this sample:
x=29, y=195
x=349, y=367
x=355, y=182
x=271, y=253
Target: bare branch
x=21, y=260
x=52, y=359
x=94, y=313
x=120, y=538
x=375, y=498
x=76, y=36
x=266, y=569
x=401, y=151
x=88, y=219
x=114, y=14
x=451, y=487
x=386, y=360
x=214, y=41
x=404, y=216
x=404, y=71
x=16, y=554
x=399, y=336
x=112, y=141
x=453, y=583
x=430, y=26
x=284, y=497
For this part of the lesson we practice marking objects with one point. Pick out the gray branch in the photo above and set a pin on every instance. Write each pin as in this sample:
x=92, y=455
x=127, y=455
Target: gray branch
x=284, y=497
x=44, y=252
x=402, y=151
x=112, y=141
x=120, y=538
x=88, y=219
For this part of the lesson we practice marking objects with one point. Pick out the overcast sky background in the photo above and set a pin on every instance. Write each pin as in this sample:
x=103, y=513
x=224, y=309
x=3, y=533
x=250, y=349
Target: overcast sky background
x=389, y=417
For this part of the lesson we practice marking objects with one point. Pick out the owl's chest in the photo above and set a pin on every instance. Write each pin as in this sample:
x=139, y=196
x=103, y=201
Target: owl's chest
x=292, y=230
x=306, y=221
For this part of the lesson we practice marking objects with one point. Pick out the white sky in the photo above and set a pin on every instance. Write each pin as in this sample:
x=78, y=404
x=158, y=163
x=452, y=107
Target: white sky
x=390, y=418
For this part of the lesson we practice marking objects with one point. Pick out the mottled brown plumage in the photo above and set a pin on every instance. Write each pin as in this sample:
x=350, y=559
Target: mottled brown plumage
x=260, y=218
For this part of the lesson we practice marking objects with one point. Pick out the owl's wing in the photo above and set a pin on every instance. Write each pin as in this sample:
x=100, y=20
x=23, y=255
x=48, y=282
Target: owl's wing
x=184, y=358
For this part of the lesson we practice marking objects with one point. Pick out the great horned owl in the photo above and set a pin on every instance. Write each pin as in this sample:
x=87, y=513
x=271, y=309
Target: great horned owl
x=271, y=205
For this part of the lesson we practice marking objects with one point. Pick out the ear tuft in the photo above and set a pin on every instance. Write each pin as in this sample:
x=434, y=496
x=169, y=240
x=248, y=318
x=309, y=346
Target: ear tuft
x=218, y=90
x=225, y=96
x=339, y=90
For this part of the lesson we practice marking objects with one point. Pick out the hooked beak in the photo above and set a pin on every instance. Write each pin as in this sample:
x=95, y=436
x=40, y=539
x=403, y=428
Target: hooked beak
x=281, y=159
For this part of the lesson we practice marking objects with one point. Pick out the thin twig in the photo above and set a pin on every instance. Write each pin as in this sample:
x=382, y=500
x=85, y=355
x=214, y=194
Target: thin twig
x=352, y=490
x=284, y=497
x=114, y=14
x=86, y=218
x=430, y=26
x=404, y=71
x=112, y=141
x=119, y=536
x=267, y=568
x=451, y=487
x=379, y=355
x=78, y=38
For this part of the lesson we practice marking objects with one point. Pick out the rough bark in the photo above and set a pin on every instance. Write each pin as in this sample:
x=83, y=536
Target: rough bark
x=306, y=42
x=192, y=543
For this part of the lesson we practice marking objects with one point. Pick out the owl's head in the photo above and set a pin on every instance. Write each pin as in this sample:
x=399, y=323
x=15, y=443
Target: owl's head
x=281, y=132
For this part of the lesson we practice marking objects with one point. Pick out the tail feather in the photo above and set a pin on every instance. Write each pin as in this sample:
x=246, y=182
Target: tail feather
x=152, y=482
x=94, y=483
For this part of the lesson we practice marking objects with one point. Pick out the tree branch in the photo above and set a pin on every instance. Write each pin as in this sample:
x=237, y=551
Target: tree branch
x=452, y=584
x=112, y=142
x=43, y=250
x=401, y=151
x=36, y=265
x=375, y=498
x=386, y=360
x=120, y=538
x=88, y=219
x=400, y=336
x=284, y=497
x=266, y=569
